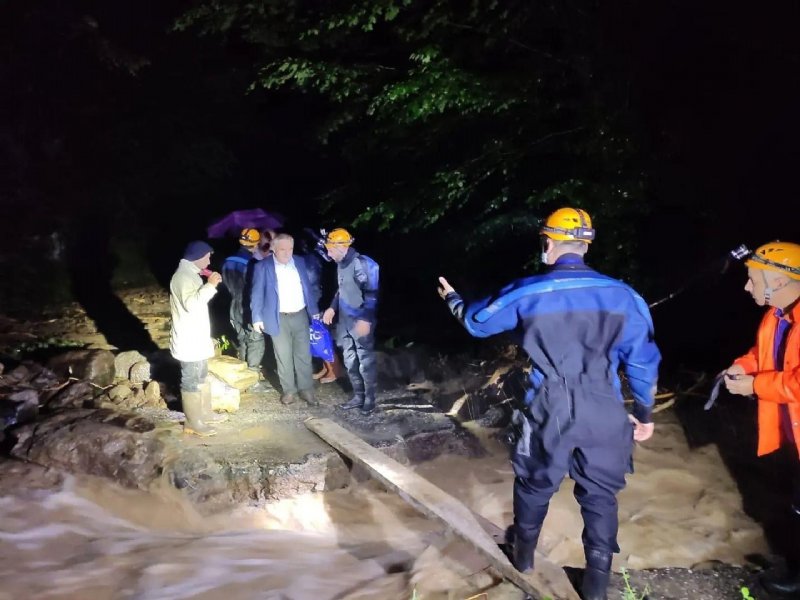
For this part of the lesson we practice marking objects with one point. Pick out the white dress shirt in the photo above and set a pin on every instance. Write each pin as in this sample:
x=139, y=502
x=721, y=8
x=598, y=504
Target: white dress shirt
x=290, y=290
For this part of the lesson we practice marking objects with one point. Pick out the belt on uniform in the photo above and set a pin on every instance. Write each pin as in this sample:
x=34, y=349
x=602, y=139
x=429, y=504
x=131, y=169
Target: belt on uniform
x=295, y=312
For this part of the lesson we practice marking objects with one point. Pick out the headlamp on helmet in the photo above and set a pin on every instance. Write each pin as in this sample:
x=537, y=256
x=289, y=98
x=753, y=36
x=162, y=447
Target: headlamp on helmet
x=249, y=237
x=568, y=224
x=338, y=237
x=781, y=257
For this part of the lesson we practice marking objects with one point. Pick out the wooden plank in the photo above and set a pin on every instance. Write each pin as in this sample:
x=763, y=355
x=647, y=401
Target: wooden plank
x=435, y=503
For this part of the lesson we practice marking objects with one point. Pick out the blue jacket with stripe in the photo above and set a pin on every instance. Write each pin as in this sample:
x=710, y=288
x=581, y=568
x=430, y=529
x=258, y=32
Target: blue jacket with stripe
x=573, y=322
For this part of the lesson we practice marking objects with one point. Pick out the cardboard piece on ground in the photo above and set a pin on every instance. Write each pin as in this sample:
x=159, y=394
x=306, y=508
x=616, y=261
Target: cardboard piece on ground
x=546, y=580
x=232, y=371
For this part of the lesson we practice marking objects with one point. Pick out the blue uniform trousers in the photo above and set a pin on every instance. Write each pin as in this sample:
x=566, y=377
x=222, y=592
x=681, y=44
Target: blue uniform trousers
x=358, y=354
x=581, y=430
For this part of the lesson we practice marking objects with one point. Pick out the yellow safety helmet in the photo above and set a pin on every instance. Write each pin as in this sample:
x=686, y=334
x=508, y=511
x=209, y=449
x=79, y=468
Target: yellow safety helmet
x=568, y=224
x=339, y=237
x=249, y=237
x=783, y=257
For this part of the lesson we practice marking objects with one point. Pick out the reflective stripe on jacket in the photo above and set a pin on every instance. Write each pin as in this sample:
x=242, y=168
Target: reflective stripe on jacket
x=774, y=387
x=574, y=323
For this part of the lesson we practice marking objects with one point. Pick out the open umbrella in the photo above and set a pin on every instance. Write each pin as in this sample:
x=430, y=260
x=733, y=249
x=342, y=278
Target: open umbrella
x=233, y=223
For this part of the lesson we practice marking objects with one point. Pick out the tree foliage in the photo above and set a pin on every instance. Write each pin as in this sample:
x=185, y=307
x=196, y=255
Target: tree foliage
x=474, y=117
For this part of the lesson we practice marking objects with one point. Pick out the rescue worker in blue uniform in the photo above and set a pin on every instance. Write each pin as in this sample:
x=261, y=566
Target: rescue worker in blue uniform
x=237, y=275
x=356, y=302
x=578, y=328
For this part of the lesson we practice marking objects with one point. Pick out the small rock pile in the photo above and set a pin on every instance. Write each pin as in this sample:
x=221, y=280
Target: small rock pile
x=77, y=379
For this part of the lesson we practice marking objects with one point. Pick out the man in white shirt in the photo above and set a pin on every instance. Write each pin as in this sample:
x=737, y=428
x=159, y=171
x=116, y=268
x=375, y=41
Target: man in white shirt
x=282, y=305
x=190, y=334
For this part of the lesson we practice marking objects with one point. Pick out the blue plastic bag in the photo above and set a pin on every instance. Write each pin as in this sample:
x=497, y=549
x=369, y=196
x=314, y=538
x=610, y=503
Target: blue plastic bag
x=321, y=341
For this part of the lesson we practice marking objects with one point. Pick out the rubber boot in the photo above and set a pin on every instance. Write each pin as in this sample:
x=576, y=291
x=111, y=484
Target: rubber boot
x=521, y=551
x=354, y=402
x=785, y=583
x=522, y=557
x=368, y=406
x=209, y=416
x=193, y=409
x=596, y=575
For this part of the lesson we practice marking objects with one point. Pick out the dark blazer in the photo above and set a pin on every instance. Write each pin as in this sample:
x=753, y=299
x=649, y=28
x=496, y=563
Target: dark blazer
x=264, y=297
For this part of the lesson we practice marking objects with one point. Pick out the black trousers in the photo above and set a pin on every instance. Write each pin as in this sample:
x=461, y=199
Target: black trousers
x=586, y=435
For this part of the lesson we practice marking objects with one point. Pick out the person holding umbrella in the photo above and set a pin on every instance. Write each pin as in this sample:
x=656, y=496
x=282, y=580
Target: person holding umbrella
x=237, y=275
x=232, y=224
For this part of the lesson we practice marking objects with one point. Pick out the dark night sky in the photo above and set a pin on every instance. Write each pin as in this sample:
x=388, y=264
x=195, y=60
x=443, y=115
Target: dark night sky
x=714, y=85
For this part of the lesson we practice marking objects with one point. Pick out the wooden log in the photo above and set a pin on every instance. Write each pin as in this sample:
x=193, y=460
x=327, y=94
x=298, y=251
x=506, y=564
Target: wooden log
x=547, y=580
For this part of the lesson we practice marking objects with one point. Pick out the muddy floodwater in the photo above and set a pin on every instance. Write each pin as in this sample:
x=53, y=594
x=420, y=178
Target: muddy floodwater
x=90, y=539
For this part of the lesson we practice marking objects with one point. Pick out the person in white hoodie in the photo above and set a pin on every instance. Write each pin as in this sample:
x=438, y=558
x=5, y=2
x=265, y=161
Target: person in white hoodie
x=190, y=334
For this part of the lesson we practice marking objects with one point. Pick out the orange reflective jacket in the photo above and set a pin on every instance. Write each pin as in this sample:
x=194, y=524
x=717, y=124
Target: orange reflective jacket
x=775, y=387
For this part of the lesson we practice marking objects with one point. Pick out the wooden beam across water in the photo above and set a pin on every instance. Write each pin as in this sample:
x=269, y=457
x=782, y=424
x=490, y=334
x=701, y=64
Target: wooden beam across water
x=548, y=580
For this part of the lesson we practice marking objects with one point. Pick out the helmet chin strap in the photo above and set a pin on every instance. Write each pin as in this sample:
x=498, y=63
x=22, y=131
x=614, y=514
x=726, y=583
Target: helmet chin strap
x=767, y=289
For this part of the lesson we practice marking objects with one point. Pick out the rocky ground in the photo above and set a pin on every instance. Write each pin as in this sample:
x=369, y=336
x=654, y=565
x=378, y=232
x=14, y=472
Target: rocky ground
x=89, y=411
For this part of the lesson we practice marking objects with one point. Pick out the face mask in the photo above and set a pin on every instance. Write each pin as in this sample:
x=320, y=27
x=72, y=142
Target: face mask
x=543, y=258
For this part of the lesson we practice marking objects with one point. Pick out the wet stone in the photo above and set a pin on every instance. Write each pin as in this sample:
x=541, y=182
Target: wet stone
x=18, y=407
x=74, y=395
x=120, y=393
x=140, y=372
x=18, y=374
x=124, y=361
x=96, y=366
x=152, y=393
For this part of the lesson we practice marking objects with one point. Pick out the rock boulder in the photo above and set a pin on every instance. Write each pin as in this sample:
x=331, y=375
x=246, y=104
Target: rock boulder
x=98, y=442
x=124, y=361
x=96, y=366
x=232, y=371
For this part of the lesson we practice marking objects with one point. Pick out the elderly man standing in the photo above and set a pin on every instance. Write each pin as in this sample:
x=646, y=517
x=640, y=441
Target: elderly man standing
x=578, y=327
x=190, y=334
x=356, y=301
x=283, y=303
